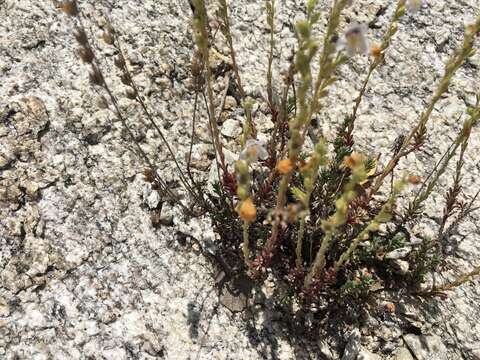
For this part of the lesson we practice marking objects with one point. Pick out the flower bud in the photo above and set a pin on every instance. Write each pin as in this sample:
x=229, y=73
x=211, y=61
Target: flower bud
x=247, y=210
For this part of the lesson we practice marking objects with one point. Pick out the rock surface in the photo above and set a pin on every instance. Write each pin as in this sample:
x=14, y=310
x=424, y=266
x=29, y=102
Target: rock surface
x=85, y=275
x=426, y=346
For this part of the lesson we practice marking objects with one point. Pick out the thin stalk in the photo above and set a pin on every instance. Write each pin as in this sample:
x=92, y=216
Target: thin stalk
x=306, y=52
x=377, y=60
x=309, y=172
x=139, y=99
x=460, y=141
x=192, y=135
x=419, y=130
x=299, y=246
x=383, y=216
x=454, y=191
x=203, y=44
x=226, y=30
x=462, y=279
x=331, y=225
x=270, y=6
x=466, y=210
x=245, y=244
x=99, y=79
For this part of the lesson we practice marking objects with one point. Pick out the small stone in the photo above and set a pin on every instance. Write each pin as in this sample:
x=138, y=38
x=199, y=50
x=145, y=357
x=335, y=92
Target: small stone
x=4, y=308
x=398, y=253
x=353, y=346
x=367, y=355
x=166, y=216
x=231, y=128
x=426, y=347
x=31, y=188
x=442, y=38
x=326, y=350
x=4, y=162
x=401, y=267
x=153, y=199
x=388, y=347
x=230, y=103
x=384, y=332
x=403, y=354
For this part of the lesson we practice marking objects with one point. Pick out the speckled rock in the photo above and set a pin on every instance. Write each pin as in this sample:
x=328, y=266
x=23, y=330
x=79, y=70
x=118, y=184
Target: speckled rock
x=83, y=271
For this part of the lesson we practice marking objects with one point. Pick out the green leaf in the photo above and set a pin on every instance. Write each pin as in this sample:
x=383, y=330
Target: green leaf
x=300, y=195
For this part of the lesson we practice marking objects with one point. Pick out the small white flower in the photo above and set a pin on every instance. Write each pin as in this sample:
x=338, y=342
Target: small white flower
x=355, y=40
x=414, y=5
x=254, y=151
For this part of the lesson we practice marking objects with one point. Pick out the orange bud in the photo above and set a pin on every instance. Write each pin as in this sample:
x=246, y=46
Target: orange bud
x=414, y=179
x=376, y=51
x=247, y=210
x=353, y=160
x=389, y=307
x=284, y=166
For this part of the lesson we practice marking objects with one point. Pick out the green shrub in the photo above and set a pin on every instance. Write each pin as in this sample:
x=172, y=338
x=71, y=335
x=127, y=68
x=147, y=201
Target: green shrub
x=322, y=218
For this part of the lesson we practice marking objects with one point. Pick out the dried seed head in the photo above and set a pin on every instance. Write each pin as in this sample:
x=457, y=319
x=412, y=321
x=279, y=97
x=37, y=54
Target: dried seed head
x=149, y=175
x=86, y=54
x=196, y=66
x=69, y=7
x=110, y=29
x=398, y=143
x=247, y=210
x=156, y=218
x=96, y=76
x=81, y=36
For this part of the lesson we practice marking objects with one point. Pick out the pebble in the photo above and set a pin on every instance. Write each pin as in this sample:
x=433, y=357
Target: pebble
x=230, y=103
x=231, y=128
x=398, y=253
x=400, y=266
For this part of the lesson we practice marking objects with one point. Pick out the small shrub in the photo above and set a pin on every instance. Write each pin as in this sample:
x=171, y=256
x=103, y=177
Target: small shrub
x=321, y=218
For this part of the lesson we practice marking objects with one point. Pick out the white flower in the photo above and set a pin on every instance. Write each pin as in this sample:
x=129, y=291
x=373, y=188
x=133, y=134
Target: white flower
x=355, y=40
x=414, y=5
x=254, y=151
